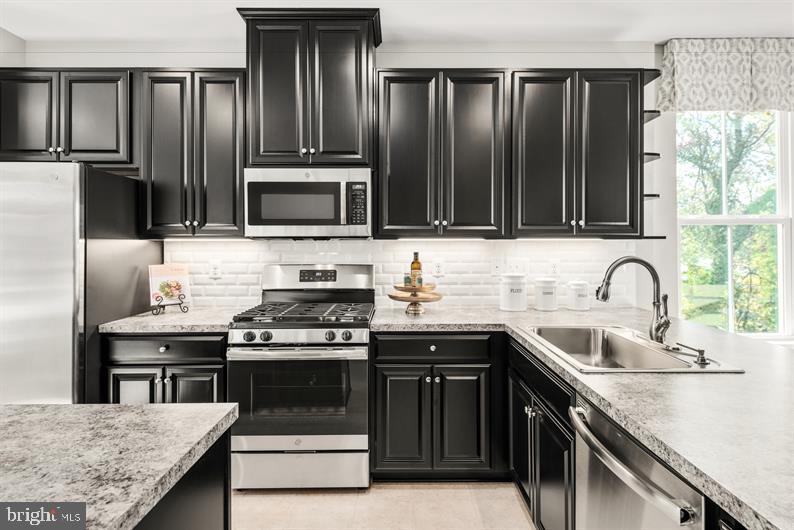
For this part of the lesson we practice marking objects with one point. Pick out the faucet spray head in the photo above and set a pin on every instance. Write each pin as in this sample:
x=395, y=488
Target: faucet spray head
x=602, y=292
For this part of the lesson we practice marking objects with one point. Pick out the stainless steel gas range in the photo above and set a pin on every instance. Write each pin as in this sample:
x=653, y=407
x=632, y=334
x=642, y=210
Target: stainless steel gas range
x=297, y=366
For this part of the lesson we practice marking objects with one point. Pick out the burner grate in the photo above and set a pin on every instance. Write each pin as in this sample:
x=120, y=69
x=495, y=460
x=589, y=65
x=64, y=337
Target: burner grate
x=307, y=312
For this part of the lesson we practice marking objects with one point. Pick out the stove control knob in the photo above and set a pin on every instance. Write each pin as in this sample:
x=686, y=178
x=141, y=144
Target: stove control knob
x=330, y=335
x=347, y=335
x=266, y=336
x=249, y=336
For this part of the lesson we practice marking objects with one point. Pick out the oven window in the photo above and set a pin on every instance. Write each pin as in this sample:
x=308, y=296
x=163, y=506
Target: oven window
x=308, y=389
x=294, y=203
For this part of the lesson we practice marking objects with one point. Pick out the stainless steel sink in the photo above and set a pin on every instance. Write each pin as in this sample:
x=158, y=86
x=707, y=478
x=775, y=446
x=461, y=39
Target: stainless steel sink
x=617, y=349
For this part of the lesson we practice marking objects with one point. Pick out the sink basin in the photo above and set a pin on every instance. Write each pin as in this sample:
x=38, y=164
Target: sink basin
x=616, y=349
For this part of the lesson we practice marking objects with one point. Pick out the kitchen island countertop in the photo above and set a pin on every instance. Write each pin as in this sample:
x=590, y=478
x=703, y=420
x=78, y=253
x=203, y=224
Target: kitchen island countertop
x=118, y=459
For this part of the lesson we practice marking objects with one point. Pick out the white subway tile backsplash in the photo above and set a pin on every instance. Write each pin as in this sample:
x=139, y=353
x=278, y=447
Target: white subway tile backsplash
x=466, y=265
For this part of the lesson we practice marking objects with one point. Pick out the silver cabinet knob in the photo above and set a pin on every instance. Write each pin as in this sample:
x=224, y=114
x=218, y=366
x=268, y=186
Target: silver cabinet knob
x=436, y=222
x=187, y=223
x=304, y=150
x=526, y=411
x=50, y=149
x=195, y=223
x=158, y=380
x=581, y=222
x=164, y=348
x=432, y=347
x=167, y=380
x=444, y=223
x=437, y=379
x=59, y=149
x=312, y=150
x=427, y=379
x=573, y=222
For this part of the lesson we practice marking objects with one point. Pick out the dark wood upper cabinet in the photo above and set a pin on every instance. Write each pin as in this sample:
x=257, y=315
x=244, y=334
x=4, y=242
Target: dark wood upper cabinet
x=278, y=118
x=28, y=116
x=310, y=86
x=609, y=158
x=473, y=153
x=167, y=154
x=95, y=116
x=408, y=167
x=341, y=92
x=218, y=125
x=543, y=153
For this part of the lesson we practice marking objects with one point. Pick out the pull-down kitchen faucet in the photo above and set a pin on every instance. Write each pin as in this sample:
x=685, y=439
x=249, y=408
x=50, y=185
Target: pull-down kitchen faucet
x=660, y=322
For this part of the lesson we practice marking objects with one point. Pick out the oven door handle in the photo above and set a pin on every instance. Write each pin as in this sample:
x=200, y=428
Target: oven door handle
x=296, y=354
x=676, y=509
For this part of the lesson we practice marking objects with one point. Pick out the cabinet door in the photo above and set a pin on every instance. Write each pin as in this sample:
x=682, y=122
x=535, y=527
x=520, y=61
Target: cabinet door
x=278, y=124
x=95, y=116
x=520, y=440
x=340, y=92
x=553, y=465
x=408, y=168
x=28, y=120
x=135, y=386
x=167, y=165
x=609, y=172
x=403, y=424
x=543, y=153
x=461, y=428
x=218, y=147
x=473, y=158
x=194, y=384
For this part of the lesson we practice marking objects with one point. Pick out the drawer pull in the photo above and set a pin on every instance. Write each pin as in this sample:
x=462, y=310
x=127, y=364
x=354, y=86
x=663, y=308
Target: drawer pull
x=432, y=347
x=164, y=348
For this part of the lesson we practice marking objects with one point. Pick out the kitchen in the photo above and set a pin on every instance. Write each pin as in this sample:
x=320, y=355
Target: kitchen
x=396, y=265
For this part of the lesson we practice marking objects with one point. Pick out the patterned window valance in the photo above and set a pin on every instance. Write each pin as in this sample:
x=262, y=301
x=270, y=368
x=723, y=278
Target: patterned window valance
x=727, y=74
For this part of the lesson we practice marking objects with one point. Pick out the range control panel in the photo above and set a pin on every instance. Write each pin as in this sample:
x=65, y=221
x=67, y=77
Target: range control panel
x=325, y=275
x=357, y=201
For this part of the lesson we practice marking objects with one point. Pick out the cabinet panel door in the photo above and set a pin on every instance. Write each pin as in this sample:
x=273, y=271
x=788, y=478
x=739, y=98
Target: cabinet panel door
x=218, y=131
x=521, y=447
x=194, y=384
x=609, y=174
x=408, y=170
x=135, y=386
x=403, y=425
x=167, y=165
x=543, y=151
x=554, y=497
x=278, y=124
x=340, y=92
x=462, y=433
x=473, y=153
x=28, y=120
x=95, y=116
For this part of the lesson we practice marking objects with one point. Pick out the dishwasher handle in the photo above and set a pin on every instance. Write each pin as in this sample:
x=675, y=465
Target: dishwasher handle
x=676, y=509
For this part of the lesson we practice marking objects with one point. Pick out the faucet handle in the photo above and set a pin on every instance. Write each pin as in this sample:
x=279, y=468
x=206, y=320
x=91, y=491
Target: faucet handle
x=664, y=305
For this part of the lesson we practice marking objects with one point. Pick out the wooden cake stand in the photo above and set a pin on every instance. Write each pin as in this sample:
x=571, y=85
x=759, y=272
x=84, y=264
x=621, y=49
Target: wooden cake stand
x=415, y=296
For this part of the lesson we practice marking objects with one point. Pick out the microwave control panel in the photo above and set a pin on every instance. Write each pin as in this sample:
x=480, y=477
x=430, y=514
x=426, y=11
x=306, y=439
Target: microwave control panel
x=357, y=201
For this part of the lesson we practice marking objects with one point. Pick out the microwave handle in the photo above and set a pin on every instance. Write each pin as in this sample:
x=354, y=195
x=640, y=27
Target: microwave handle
x=343, y=191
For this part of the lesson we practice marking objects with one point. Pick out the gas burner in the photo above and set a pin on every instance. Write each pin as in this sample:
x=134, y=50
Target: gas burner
x=307, y=312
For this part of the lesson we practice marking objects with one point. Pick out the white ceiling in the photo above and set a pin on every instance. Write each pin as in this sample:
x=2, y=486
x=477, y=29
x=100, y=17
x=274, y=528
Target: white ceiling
x=212, y=23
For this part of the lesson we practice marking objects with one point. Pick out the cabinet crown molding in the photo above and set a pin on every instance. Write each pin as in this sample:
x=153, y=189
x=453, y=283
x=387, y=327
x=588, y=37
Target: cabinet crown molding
x=371, y=14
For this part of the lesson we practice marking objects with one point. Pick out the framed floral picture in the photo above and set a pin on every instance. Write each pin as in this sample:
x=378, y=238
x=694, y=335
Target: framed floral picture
x=169, y=284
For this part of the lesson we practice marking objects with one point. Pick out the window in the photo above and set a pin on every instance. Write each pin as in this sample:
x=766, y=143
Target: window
x=734, y=220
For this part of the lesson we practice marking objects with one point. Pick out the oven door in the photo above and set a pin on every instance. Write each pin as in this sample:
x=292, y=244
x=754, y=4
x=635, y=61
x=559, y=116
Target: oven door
x=299, y=399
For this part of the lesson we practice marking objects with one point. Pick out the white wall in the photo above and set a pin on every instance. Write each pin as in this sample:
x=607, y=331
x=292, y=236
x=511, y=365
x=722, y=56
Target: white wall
x=12, y=49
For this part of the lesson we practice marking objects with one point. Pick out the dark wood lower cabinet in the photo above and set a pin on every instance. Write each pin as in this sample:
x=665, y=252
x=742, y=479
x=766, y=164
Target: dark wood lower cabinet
x=520, y=439
x=165, y=384
x=135, y=385
x=194, y=384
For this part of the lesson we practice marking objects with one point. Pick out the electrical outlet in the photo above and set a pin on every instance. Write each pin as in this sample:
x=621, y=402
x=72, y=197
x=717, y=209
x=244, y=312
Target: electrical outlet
x=497, y=267
x=516, y=267
x=215, y=270
x=438, y=268
x=554, y=267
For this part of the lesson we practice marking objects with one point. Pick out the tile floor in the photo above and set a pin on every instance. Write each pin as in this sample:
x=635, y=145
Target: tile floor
x=386, y=506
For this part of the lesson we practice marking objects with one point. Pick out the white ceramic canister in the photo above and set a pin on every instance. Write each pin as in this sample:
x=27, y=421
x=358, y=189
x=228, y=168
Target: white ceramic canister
x=579, y=295
x=513, y=292
x=546, y=294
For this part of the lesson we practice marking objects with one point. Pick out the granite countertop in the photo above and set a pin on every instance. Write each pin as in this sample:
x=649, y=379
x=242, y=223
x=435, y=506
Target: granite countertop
x=118, y=459
x=196, y=320
x=730, y=435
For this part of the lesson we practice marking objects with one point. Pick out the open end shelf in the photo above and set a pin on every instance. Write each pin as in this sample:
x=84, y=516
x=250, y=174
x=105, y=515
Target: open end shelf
x=650, y=115
x=650, y=157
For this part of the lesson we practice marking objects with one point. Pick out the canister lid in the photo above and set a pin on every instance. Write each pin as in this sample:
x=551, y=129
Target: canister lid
x=546, y=282
x=514, y=277
x=579, y=283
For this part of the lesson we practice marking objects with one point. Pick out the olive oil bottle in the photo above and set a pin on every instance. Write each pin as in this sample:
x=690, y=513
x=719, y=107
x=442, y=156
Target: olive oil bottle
x=416, y=271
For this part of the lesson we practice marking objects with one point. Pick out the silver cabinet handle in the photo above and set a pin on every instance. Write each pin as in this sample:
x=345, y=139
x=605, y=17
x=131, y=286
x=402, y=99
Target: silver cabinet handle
x=444, y=223
x=427, y=379
x=303, y=151
x=573, y=222
x=164, y=347
x=312, y=150
x=167, y=380
x=676, y=509
x=432, y=347
x=581, y=222
x=436, y=222
x=158, y=380
x=526, y=411
x=437, y=379
x=530, y=411
x=59, y=149
x=195, y=223
x=187, y=223
x=50, y=149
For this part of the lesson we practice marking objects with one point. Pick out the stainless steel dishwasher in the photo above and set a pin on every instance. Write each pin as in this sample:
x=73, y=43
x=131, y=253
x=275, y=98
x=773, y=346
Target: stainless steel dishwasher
x=620, y=486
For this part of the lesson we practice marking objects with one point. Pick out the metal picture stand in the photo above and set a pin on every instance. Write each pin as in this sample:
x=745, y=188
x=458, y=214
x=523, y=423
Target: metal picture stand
x=160, y=307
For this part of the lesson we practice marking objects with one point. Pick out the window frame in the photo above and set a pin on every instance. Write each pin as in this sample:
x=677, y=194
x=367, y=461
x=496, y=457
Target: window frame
x=784, y=218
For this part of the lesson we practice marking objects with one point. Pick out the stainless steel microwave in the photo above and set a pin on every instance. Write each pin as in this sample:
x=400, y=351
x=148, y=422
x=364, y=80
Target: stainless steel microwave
x=308, y=202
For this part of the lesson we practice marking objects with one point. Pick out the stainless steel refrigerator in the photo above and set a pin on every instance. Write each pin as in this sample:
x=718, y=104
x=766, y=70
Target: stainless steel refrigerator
x=70, y=259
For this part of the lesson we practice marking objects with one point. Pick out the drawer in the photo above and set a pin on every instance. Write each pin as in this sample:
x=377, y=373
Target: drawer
x=555, y=393
x=165, y=349
x=432, y=348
